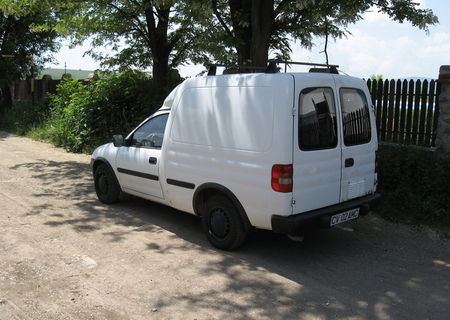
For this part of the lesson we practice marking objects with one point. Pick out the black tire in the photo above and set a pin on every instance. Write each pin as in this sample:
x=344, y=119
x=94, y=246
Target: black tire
x=106, y=186
x=222, y=223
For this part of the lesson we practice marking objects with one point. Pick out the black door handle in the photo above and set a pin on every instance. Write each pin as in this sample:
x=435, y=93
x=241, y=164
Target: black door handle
x=152, y=160
x=349, y=162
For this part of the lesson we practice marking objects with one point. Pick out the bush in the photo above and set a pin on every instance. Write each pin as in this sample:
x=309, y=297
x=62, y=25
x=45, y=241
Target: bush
x=85, y=116
x=81, y=116
x=24, y=116
x=414, y=183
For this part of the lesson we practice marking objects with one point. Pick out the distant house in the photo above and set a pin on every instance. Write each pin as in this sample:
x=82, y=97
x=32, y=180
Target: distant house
x=57, y=74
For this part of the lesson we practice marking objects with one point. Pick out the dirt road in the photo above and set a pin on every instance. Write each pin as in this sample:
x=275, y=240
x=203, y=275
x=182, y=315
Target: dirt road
x=64, y=255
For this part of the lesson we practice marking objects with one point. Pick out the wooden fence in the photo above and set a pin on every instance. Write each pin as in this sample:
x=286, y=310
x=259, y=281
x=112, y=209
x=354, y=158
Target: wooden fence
x=22, y=89
x=406, y=111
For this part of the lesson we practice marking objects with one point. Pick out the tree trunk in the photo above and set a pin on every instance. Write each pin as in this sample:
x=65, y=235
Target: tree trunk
x=158, y=41
x=160, y=70
x=261, y=22
x=240, y=11
x=252, y=26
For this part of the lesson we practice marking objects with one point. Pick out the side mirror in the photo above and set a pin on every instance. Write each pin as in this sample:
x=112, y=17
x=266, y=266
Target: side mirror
x=118, y=140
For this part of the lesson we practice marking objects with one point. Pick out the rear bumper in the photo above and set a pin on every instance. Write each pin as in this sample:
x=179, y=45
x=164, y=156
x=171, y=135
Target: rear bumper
x=296, y=223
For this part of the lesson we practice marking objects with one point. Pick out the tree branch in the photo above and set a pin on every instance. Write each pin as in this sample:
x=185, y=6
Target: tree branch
x=279, y=8
x=151, y=23
x=221, y=21
x=177, y=35
x=326, y=40
x=178, y=56
x=137, y=25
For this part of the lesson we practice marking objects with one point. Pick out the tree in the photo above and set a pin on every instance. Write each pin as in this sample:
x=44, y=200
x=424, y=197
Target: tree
x=140, y=33
x=23, y=47
x=254, y=27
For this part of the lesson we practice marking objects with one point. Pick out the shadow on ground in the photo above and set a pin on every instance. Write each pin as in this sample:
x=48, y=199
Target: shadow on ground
x=3, y=135
x=373, y=272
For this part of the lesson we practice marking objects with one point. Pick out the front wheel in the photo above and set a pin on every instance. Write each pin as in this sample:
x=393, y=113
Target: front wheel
x=106, y=186
x=222, y=223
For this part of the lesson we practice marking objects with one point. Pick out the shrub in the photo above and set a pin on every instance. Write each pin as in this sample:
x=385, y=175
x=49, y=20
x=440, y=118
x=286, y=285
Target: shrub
x=85, y=116
x=414, y=183
x=81, y=116
x=24, y=116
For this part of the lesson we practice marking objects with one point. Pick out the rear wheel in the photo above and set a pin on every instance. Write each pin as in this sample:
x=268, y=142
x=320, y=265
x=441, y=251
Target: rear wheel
x=222, y=223
x=106, y=186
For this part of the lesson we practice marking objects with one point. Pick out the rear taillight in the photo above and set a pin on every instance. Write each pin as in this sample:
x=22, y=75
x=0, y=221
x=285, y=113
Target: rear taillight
x=282, y=177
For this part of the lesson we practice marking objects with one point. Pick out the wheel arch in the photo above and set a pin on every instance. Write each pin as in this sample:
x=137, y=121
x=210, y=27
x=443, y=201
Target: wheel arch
x=98, y=161
x=207, y=190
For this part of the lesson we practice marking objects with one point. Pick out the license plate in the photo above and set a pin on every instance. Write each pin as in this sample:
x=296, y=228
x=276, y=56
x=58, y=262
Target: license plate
x=344, y=216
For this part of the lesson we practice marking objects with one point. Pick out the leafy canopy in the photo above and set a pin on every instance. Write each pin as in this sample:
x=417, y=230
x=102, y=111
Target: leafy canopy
x=165, y=34
x=27, y=38
x=135, y=32
x=233, y=30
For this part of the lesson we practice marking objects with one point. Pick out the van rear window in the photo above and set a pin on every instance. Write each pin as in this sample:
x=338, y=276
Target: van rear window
x=355, y=117
x=317, y=119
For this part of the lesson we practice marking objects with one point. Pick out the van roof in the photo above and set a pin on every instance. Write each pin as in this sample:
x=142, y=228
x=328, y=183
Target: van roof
x=242, y=79
x=251, y=79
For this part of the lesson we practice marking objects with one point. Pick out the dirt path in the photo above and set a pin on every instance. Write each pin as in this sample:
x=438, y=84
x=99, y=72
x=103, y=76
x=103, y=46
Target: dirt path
x=64, y=255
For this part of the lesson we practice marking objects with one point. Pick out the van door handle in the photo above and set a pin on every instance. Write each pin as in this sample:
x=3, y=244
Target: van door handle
x=349, y=162
x=152, y=160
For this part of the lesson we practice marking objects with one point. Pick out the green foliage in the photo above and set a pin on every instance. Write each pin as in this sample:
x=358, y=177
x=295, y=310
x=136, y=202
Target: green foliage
x=21, y=38
x=80, y=116
x=415, y=187
x=164, y=34
x=84, y=116
x=232, y=33
x=24, y=47
x=24, y=117
x=137, y=33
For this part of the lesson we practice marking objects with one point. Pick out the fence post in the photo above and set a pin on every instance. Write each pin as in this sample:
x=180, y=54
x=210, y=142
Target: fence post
x=443, y=127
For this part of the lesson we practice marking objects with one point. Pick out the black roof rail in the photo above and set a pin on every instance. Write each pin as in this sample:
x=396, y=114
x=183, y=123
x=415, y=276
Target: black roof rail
x=272, y=67
x=212, y=71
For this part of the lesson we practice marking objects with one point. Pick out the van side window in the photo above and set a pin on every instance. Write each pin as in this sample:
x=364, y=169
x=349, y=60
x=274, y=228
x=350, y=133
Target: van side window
x=151, y=133
x=355, y=117
x=317, y=119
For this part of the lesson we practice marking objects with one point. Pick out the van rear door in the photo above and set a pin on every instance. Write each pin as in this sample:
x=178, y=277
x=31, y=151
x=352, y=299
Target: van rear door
x=316, y=150
x=359, y=142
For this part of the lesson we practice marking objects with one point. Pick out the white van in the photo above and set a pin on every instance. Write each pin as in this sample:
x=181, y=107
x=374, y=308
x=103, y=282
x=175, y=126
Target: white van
x=276, y=151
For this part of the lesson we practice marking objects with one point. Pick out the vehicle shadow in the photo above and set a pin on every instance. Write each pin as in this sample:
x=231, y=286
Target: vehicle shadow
x=394, y=275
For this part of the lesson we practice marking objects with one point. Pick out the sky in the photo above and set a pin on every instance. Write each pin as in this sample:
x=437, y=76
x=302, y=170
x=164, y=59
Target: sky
x=376, y=45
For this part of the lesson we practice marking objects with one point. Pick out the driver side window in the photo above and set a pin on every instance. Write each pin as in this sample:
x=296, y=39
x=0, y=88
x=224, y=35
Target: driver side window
x=151, y=133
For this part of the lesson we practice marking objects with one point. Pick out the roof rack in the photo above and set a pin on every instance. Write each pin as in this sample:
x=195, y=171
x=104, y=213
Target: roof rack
x=330, y=68
x=213, y=68
x=272, y=67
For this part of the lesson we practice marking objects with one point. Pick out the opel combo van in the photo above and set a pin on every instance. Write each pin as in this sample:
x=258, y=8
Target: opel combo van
x=276, y=151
